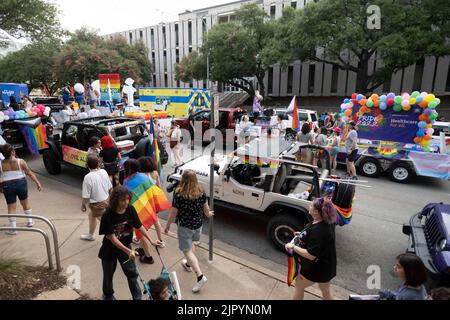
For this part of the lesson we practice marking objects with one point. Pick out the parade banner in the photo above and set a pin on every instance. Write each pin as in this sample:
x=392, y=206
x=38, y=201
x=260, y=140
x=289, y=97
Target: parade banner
x=388, y=125
x=178, y=102
x=109, y=87
x=74, y=156
x=17, y=90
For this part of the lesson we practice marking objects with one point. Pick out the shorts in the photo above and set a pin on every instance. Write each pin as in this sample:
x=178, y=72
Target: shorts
x=98, y=208
x=14, y=189
x=352, y=156
x=334, y=152
x=186, y=237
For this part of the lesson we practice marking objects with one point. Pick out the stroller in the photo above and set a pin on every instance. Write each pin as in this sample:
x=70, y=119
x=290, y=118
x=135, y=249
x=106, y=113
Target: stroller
x=171, y=278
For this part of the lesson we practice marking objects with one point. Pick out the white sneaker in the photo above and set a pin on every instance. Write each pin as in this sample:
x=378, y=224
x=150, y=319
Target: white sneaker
x=12, y=232
x=87, y=237
x=30, y=224
x=184, y=264
x=163, y=244
x=199, y=285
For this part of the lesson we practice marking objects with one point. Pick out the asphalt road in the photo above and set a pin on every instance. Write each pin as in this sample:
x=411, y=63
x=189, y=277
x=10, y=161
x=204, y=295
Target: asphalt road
x=374, y=237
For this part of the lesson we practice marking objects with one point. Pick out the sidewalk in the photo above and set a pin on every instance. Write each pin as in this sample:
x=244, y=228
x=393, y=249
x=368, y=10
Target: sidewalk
x=233, y=275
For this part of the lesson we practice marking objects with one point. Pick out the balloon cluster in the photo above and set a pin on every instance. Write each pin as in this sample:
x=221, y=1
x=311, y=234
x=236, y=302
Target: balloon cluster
x=36, y=111
x=425, y=101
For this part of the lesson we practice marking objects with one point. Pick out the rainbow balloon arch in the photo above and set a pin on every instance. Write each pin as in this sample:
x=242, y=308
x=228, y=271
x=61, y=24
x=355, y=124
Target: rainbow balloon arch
x=375, y=104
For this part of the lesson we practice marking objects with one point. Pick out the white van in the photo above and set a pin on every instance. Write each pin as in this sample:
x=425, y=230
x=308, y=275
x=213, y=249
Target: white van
x=309, y=116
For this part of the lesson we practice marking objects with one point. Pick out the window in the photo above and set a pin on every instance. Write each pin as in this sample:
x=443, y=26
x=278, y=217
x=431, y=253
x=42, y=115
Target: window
x=166, y=80
x=190, y=32
x=273, y=10
x=152, y=38
x=233, y=17
x=223, y=19
x=165, y=60
x=334, y=79
x=191, y=84
x=312, y=78
x=190, y=49
x=141, y=34
x=154, y=80
x=447, y=85
x=178, y=84
x=290, y=82
x=294, y=4
x=387, y=85
x=204, y=84
x=164, y=37
x=153, y=59
x=177, y=56
x=177, y=36
x=131, y=38
x=418, y=74
x=203, y=25
x=71, y=137
x=270, y=82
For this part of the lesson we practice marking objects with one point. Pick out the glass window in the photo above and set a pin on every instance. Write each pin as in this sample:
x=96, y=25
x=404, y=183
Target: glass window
x=334, y=79
x=131, y=37
x=270, y=81
x=164, y=37
x=418, y=74
x=273, y=10
x=290, y=79
x=152, y=38
x=303, y=116
x=153, y=59
x=177, y=56
x=223, y=19
x=447, y=85
x=166, y=80
x=313, y=117
x=312, y=78
x=190, y=32
x=165, y=60
x=203, y=25
x=141, y=34
x=294, y=4
x=177, y=36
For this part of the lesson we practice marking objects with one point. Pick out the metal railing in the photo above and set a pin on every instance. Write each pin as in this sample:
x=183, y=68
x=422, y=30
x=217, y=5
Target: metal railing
x=46, y=237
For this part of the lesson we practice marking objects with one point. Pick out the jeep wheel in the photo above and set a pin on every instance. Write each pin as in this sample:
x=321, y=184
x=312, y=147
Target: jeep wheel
x=400, y=172
x=282, y=226
x=50, y=162
x=370, y=167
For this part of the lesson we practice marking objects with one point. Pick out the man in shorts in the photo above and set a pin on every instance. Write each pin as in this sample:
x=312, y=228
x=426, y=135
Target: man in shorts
x=351, y=148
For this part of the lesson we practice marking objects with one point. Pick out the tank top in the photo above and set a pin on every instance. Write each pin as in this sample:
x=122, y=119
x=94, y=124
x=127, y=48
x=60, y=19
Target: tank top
x=10, y=175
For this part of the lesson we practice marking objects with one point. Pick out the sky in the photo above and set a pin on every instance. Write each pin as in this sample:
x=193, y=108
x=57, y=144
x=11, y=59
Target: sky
x=109, y=16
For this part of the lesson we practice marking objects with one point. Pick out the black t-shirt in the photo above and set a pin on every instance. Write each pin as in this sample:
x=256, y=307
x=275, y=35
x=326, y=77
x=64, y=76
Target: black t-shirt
x=109, y=155
x=143, y=149
x=121, y=225
x=319, y=240
x=190, y=212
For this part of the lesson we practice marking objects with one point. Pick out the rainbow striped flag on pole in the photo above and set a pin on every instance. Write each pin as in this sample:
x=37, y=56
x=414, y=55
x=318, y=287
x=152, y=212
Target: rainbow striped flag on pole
x=293, y=268
x=295, y=122
x=148, y=199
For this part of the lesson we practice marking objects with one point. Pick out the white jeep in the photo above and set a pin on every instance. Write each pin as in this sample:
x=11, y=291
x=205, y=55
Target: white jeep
x=275, y=185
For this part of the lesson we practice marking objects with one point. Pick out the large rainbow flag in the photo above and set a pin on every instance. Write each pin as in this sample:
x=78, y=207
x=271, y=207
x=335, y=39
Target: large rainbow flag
x=34, y=137
x=293, y=268
x=148, y=199
x=156, y=154
x=295, y=122
x=109, y=86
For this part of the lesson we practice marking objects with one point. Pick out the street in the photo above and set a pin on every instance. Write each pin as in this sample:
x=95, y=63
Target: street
x=374, y=237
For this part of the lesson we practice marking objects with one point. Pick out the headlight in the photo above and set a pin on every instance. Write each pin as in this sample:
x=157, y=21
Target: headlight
x=440, y=245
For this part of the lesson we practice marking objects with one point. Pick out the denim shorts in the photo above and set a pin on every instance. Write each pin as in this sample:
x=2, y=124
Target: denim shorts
x=187, y=236
x=352, y=156
x=14, y=189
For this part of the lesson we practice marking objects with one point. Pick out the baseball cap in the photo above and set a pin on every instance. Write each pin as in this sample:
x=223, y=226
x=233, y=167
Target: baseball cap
x=337, y=130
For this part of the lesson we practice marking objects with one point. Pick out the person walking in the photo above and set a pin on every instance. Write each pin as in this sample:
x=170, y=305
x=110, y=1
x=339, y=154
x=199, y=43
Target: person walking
x=175, y=143
x=13, y=184
x=110, y=155
x=148, y=167
x=95, y=193
x=411, y=270
x=352, y=149
x=117, y=226
x=334, y=147
x=317, y=254
x=188, y=207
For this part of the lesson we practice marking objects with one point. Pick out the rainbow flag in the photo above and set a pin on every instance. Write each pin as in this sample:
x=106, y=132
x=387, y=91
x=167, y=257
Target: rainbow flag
x=34, y=137
x=109, y=86
x=344, y=215
x=259, y=162
x=148, y=199
x=295, y=122
x=293, y=268
x=156, y=154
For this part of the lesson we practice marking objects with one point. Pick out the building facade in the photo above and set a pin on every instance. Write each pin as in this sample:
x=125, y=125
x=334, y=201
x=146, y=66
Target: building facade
x=317, y=83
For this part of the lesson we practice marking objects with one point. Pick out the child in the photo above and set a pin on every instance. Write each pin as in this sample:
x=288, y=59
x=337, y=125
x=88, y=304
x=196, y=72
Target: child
x=159, y=289
x=117, y=225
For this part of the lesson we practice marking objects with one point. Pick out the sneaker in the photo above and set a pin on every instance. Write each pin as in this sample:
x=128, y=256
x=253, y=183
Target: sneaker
x=185, y=266
x=30, y=224
x=199, y=285
x=111, y=297
x=140, y=252
x=87, y=237
x=12, y=232
x=146, y=260
x=163, y=244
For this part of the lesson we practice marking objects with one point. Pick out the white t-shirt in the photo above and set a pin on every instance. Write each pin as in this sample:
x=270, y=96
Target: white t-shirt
x=96, y=186
x=94, y=113
x=65, y=114
x=82, y=115
x=176, y=134
x=282, y=127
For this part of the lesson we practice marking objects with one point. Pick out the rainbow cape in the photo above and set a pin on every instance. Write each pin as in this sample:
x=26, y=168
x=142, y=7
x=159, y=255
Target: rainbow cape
x=34, y=137
x=344, y=215
x=293, y=268
x=148, y=199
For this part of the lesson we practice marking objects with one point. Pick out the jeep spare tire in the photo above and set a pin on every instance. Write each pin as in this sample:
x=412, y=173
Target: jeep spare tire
x=50, y=162
x=281, y=228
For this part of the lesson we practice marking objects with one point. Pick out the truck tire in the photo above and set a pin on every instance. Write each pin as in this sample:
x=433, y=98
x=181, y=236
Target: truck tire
x=50, y=162
x=281, y=228
x=343, y=195
x=401, y=172
x=370, y=167
x=290, y=135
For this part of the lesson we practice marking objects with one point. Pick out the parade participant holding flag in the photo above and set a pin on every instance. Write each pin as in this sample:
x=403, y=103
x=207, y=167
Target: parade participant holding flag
x=315, y=251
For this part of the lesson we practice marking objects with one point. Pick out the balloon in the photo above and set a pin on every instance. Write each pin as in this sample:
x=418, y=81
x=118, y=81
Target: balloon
x=359, y=97
x=426, y=149
x=406, y=96
x=2, y=119
x=363, y=102
x=419, y=99
x=391, y=95
x=354, y=95
x=430, y=131
x=420, y=133
x=423, y=104
x=415, y=94
x=347, y=101
x=422, y=124
x=383, y=106
x=417, y=140
x=424, y=94
x=397, y=108
x=405, y=103
x=383, y=98
x=407, y=108
x=429, y=126
x=412, y=101
x=374, y=97
x=376, y=103
x=343, y=106
x=390, y=102
x=430, y=97
x=432, y=104
x=427, y=111
x=432, y=117
x=345, y=118
x=6, y=118
x=398, y=99
x=425, y=143
x=369, y=103
x=348, y=112
x=79, y=88
x=438, y=101
x=427, y=137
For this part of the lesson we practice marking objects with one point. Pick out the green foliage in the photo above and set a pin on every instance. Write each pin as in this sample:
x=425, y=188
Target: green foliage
x=33, y=19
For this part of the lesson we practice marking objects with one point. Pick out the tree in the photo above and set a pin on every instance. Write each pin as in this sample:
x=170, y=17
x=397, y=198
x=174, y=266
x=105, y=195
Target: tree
x=86, y=55
x=32, y=19
x=33, y=64
x=236, y=51
x=336, y=32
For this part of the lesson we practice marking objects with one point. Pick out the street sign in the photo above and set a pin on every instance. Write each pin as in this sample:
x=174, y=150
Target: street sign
x=216, y=110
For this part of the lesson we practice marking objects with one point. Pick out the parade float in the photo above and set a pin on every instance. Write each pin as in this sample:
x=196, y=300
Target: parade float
x=395, y=135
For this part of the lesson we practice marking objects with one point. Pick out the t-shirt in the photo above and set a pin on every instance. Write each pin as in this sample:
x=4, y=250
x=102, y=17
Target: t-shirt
x=190, y=212
x=321, y=140
x=351, y=137
x=96, y=186
x=282, y=127
x=65, y=114
x=109, y=155
x=94, y=113
x=319, y=241
x=304, y=138
x=340, y=124
x=121, y=225
x=82, y=115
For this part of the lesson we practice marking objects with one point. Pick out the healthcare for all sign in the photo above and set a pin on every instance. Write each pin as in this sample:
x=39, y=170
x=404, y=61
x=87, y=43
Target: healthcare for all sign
x=74, y=156
x=13, y=89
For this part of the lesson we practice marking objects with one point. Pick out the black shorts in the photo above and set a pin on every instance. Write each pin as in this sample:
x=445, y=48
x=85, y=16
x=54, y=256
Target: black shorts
x=352, y=156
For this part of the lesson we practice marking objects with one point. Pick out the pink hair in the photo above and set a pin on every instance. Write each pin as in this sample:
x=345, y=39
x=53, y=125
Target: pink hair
x=326, y=210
